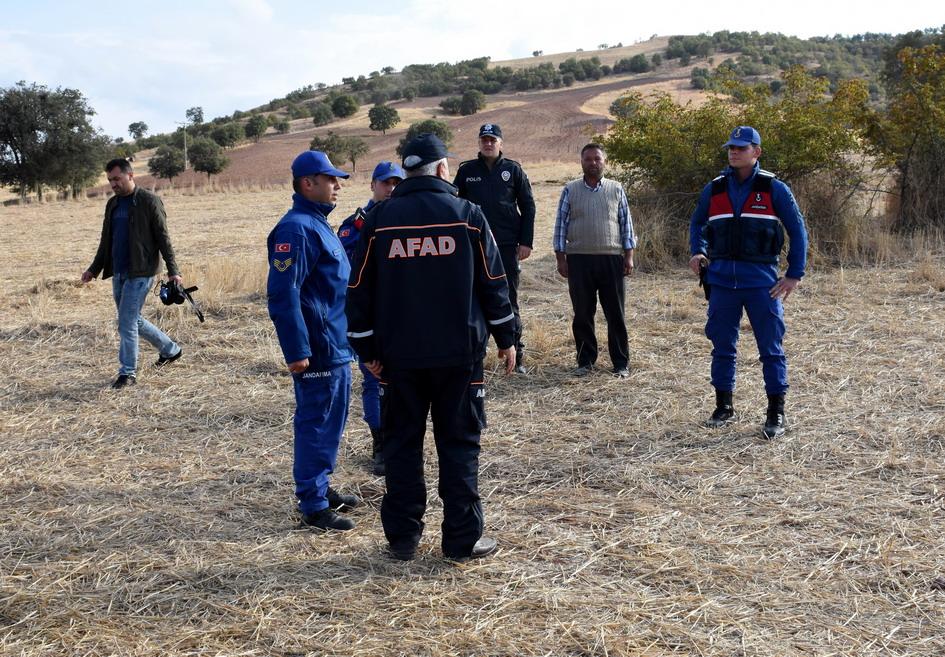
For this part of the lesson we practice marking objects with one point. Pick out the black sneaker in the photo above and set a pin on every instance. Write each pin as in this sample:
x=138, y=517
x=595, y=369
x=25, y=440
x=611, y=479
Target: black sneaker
x=483, y=547
x=775, y=425
x=124, y=380
x=167, y=360
x=326, y=519
x=341, y=501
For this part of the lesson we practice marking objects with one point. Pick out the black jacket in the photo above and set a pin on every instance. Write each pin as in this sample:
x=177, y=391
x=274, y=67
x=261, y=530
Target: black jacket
x=505, y=196
x=427, y=285
x=147, y=237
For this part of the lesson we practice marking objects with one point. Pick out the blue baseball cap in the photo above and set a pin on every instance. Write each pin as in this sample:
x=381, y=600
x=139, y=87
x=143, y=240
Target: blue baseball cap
x=743, y=135
x=312, y=163
x=387, y=170
x=424, y=149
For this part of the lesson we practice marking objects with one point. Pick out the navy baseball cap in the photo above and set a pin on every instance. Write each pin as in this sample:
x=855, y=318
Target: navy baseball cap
x=743, y=135
x=424, y=149
x=312, y=163
x=490, y=130
x=386, y=170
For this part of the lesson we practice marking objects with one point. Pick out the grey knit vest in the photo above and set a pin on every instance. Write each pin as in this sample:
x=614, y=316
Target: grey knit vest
x=592, y=227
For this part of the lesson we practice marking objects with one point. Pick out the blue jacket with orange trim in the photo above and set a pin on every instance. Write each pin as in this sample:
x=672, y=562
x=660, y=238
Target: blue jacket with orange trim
x=427, y=285
x=308, y=276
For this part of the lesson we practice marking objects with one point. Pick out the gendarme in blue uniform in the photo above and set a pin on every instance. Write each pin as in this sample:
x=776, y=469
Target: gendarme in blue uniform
x=737, y=225
x=308, y=278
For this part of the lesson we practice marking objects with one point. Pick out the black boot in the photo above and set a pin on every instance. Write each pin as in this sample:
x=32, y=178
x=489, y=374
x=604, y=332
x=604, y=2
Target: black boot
x=775, y=423
x=377, y=454
x=724, y=411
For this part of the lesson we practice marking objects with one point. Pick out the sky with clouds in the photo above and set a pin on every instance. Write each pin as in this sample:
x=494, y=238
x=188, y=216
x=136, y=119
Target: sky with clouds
x=149, y=61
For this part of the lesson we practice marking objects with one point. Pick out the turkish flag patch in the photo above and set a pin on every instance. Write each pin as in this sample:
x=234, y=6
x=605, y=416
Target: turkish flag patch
x=283, y=248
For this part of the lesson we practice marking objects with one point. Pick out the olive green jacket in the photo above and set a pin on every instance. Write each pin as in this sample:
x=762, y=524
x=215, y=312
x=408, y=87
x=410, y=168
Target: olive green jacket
x=147, y=237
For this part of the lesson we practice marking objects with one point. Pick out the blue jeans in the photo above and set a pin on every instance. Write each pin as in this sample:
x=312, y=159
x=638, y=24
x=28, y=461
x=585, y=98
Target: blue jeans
x=130, y=294
x=767, y=323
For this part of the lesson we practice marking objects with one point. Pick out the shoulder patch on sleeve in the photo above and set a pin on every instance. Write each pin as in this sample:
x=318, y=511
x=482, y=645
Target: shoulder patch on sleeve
x=281, y=265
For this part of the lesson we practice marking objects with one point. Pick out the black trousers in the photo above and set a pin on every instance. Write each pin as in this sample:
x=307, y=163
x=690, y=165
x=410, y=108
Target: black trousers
x=591, y=277
x=509, y=255
x=456, y=398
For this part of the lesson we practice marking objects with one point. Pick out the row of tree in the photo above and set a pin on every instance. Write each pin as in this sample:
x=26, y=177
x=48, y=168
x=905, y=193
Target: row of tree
x=829, y=144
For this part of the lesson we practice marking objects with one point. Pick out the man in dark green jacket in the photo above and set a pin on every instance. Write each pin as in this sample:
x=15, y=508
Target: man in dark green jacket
x=134, y=237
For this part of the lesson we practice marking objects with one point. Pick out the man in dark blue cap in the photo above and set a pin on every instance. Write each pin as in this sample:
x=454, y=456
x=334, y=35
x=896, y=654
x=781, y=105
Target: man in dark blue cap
x=736, y=235
x=308, y=275
x=427, y=289
x=500, y=187
x=386, y=176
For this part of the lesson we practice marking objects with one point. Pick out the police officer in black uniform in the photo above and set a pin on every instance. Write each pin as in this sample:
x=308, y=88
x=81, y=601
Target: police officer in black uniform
x=427, y=289
x=500, y=187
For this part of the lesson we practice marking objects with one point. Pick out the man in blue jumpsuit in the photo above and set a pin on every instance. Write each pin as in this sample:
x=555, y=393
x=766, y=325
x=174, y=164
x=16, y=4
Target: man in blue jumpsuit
x=427, y=290
x=736, y=235
x=386, y=176
x=308, y=275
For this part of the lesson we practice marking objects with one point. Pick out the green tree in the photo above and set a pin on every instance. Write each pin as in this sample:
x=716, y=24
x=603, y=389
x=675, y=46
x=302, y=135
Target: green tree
x=344, y=105
x=194, y=115
x=46, y=139
x=281, y=126
x=451, y=104
x=256, y=127
x=322, y=114
x=910, y=136
x=383, y=118
x=355, y=148
x=228, y=135
x=434, y=126
x=472, y=101
x=137, y=130
x=331, y=145
x=207, y=156
x=167, y=162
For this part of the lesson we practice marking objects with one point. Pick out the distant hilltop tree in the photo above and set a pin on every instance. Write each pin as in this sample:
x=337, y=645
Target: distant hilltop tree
x=228, y=135
x=383, y=118
x=194, y=115
x=207, y=157
x=344, y=105
x=434, y=126
x=137, y=130
x=167, y=162
x=256, y=127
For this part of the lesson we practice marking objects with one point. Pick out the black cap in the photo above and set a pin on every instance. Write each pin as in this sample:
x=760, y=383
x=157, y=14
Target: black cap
x=424, y=149
x=490, y=130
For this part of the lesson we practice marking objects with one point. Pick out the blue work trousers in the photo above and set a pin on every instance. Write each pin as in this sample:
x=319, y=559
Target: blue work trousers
x=370, y=397
x=767, y=322
x=321, y=410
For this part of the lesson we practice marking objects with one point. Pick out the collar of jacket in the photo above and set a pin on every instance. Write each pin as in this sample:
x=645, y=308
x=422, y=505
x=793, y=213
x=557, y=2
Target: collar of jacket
x=424, y=184
x=495, y=164
x=730, y=172
x=299, y=202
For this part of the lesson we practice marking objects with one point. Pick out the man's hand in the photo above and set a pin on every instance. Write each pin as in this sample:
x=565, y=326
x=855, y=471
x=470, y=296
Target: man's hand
x=87, y=276
x=180, y=281
x=695, y=262
x=524, y=252
x=562, y=261
x=509, y=356
x=298, y=366
x=783, y=288
x=374, y=367
x=628, y=262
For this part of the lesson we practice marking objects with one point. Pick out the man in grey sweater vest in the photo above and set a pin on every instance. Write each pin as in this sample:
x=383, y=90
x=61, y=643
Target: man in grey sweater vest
x=593, y=243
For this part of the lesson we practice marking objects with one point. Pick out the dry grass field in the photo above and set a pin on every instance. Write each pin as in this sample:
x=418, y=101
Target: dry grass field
x=159, y=520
